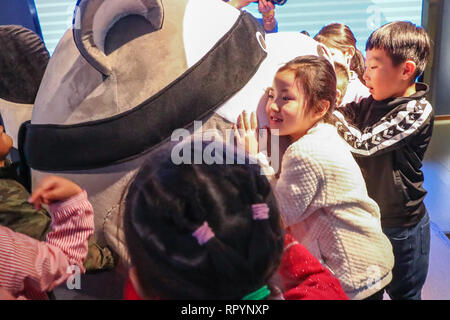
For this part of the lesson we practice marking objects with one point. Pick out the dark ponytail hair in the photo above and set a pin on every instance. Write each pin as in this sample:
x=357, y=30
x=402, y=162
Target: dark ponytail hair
x=339, y=36
x=166, y=203
x=317, y=80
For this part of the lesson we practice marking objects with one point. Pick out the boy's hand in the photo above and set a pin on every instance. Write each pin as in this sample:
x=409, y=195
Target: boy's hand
x=53, y=189
x=246, y=132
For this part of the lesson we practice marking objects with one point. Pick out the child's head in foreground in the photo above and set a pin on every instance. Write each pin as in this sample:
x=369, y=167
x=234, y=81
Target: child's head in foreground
x=396, y=54
x=191, y=233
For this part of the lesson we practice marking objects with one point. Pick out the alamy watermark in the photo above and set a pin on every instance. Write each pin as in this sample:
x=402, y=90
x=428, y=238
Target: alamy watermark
x=74, y=280
x=221, y=147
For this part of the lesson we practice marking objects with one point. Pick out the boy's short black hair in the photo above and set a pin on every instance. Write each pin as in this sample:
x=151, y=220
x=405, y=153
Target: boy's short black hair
x=402, y=40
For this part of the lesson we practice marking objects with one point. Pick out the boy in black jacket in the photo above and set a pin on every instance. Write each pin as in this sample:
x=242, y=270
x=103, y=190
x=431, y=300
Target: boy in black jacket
x=389, y=133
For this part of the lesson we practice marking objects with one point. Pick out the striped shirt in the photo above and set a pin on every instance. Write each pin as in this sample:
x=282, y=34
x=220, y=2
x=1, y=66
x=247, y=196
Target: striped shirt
x=30, y=268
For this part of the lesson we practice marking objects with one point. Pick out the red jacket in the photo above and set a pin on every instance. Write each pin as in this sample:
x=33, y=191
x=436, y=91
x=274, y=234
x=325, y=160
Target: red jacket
x=304, y=277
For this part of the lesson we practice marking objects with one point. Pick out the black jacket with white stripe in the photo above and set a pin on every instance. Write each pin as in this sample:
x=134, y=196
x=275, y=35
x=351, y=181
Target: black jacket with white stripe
x=388, y=140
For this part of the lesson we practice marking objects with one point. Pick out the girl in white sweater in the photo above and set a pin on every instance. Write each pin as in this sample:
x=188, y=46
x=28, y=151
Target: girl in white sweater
x=321, y=192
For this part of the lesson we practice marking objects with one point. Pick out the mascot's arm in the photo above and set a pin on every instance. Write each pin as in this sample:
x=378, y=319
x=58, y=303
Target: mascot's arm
x=29, y=268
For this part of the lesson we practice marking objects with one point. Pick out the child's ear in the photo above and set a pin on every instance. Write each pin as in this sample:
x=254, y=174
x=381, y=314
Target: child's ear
x=322, y=111
x=409, y=69
x=339, y=95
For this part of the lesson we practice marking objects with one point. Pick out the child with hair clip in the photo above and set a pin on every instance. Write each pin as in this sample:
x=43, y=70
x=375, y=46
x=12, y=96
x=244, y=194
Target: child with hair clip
x=30, y=268
x=342, y=44
x=320, y=190
x=197, y=231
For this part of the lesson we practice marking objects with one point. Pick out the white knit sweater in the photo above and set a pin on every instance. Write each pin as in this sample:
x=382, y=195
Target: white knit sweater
x=323, y=199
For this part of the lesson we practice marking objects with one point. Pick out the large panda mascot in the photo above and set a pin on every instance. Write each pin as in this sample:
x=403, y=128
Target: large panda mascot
x=129, y=73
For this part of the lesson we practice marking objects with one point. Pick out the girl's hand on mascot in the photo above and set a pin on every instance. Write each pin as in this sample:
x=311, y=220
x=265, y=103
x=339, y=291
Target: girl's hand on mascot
x=53, y=189
x=245, y=132
x=265, y=6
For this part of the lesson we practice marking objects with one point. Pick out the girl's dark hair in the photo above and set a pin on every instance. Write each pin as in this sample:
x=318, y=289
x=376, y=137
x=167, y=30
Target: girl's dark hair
x=402, y=40
x=339, y=36
x=317, y=79
x=166, y=203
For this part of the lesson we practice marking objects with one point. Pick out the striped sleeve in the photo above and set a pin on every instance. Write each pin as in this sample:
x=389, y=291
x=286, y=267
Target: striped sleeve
x=390, y=132
x=72, y=226
x=30, y=266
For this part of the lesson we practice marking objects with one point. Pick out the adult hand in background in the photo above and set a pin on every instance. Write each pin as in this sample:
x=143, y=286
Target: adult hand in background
x=265, y=6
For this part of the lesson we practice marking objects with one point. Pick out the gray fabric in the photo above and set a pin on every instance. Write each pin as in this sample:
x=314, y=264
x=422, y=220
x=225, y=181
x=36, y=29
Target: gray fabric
x=72, y=91
x=94, y=18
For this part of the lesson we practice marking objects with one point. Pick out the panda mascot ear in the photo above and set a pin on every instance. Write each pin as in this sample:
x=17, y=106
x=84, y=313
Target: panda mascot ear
x=94, y=18
x=221, y=70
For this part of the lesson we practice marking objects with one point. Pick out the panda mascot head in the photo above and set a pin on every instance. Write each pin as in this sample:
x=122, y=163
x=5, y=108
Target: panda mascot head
x=129, y=73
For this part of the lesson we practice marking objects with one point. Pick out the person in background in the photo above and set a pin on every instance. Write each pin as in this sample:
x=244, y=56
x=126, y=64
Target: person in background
x=342, y=45
x=389, y=133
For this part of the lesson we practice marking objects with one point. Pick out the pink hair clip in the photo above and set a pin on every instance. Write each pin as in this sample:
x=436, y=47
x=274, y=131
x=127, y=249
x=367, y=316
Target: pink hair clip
x=203, y=234
x=260, y=211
